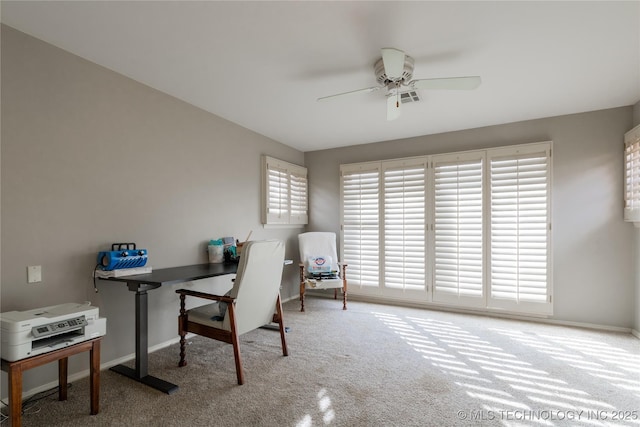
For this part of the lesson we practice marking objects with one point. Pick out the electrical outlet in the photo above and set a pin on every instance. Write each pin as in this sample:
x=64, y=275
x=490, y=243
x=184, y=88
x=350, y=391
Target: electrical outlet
x=34, y=273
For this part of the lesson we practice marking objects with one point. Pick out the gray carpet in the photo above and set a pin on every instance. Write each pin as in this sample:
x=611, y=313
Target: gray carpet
x=376, y=365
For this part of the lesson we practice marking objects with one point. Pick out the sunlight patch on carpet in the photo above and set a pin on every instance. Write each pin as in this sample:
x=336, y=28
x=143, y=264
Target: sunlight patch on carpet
x=500, y=381
x=324, y=407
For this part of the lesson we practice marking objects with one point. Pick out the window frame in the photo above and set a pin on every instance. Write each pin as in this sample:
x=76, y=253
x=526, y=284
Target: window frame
x=357, y=277
x=522, y=305
x=403, y=165
x=294, y=204
x=632, y=176
x=483, y=302
x=459, y=298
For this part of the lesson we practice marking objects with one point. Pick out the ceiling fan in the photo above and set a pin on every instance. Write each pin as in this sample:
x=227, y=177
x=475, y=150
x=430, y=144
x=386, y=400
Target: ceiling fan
x=394, y=72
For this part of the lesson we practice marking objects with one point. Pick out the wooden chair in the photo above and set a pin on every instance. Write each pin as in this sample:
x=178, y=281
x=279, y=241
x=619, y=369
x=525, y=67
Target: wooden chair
x=315, y=245
x=251, y=303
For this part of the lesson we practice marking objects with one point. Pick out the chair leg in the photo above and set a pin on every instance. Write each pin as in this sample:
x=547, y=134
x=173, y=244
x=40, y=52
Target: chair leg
x=344, y=287
x=280, y=320
x=182, y=319
x=236, y=344
x=183, y=352
x=302, y=287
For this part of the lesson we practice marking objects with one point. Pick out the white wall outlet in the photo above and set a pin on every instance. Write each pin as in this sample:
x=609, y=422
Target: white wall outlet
x=34, y=273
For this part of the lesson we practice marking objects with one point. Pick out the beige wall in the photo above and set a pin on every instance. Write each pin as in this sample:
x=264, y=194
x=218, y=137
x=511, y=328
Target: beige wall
x=90, y=157
x=593, y=268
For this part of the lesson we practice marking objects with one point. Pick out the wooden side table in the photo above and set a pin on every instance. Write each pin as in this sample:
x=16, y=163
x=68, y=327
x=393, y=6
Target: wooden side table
x=15, y=370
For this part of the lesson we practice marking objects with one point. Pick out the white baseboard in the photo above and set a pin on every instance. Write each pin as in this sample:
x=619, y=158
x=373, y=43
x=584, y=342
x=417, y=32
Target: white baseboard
x=532, y=318
x=290, y=298
x=131, y=356
x=106, y=365
x=85, y=373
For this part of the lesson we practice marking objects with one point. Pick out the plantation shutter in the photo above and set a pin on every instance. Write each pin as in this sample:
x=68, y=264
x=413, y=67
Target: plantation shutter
x=278, y=195
x=285, y=192
x=520, y=229
x=632, y=175
x=299, y=202
x=360, y=186
x=469, y=229
x=404, y=224
x=458, y=224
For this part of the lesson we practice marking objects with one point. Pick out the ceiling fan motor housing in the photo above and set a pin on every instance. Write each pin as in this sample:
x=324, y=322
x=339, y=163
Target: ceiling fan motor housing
x=384, y=80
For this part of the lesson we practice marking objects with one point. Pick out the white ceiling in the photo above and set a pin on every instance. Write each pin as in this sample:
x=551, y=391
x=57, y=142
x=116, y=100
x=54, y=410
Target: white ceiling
x=263, y=64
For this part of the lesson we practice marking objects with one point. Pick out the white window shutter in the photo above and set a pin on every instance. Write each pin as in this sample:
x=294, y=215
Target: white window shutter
x=285, y=199
x=360, y=223
x=632, y=175
x=458, y=225
x=520, y=230
x=404, y=224
x=469, y=229
x=278, y=195
x=299, y=202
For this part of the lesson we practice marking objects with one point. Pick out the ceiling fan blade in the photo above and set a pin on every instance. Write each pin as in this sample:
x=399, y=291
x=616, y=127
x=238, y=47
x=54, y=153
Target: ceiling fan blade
x=393, y=60
x=451, y=83
x=353, y=92
x=393, y=107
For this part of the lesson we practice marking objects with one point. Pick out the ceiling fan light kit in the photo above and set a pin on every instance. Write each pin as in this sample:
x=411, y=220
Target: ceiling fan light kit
x=394, y=71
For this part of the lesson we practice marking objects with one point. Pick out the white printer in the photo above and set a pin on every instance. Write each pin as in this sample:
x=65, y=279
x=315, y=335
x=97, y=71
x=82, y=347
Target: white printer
x=33, y=332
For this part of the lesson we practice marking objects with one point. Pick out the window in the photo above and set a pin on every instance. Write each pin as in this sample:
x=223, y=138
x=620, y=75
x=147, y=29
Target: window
x=465, y=229
x=458, y=237
x=632, y=175
x=404, y=222
x=360, y=193
x=284, y=193
x=520, y=229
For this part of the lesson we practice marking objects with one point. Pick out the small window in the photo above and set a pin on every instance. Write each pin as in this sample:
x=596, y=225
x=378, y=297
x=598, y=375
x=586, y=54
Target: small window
x=285, y=192
x=632, y=175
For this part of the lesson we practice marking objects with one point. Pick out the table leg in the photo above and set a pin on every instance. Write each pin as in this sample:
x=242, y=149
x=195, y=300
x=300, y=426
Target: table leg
x=63, y=368
x=16, y=368
x=140, y=373
x=15, y=394
x=142, y=329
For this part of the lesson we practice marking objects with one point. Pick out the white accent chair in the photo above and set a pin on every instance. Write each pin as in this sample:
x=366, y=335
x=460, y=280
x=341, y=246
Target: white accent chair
x=250, y=304
x=321, y=244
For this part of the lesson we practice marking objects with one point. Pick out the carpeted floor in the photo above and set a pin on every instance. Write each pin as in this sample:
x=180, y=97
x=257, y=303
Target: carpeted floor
x=376, y=365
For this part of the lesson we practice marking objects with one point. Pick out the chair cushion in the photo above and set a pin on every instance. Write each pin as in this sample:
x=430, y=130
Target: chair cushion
x=207, y=315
